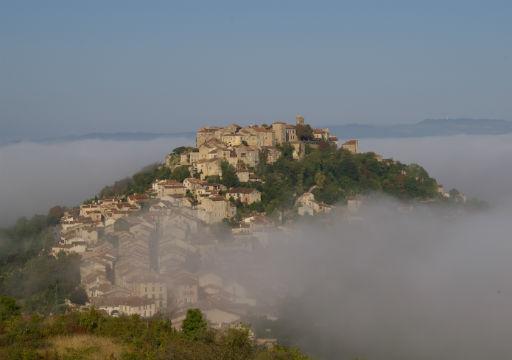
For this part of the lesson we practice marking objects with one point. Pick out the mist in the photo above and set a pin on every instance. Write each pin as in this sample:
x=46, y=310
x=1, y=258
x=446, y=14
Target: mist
x=384, y=284
x=479, y=166
x=431, y=283
x=37, y=176
x=393, y=285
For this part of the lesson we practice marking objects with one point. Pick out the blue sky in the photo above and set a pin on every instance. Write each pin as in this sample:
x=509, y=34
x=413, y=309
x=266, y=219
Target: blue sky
x=70, y=67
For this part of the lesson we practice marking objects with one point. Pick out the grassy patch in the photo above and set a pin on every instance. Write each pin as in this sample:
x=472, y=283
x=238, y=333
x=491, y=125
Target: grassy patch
x=86, y=347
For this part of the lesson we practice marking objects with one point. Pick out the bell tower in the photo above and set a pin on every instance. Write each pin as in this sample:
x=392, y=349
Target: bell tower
x=299, y=119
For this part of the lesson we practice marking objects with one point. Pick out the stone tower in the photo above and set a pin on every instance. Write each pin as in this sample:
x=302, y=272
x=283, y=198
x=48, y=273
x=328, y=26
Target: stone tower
x=299, y=119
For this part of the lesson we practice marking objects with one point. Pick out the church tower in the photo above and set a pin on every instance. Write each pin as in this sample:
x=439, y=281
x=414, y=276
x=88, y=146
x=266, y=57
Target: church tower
x=299, y=119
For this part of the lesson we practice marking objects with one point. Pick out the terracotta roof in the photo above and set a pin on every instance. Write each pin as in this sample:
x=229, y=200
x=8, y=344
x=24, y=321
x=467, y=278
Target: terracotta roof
x=350, y=142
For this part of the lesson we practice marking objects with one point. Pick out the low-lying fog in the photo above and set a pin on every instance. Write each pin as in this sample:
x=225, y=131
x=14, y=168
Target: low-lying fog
x=398, y=285
x=37, y=176
x=34, y=176
x=477, y=165
x=392, y=286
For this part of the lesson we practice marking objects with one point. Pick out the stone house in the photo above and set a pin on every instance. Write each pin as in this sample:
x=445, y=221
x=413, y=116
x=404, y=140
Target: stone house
x=244, y=195
x=291, y=133
x=205, y=134
x=273, y=154
x=128, y=305
x=208, y=167
x=279, y=130
x=149, y=286
x=248, y=155
x=306, y=204
x=321, y=134
x=215, y=209
x=231, y=139
x=193, y=184
x=185, y=289
x=351, y=145
x=168, y=187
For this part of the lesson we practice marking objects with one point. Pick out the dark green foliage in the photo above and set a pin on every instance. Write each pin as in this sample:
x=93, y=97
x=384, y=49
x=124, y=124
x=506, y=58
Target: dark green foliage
x=39, y=281
x=27, y=238
x=28, y=338
x=183, y=149
x=304, y=132
x=229, y=177
x=8, y=308
x=138, y=183
x=215, y=179
x=180, y=173
x=43, y=282
x=287, y=151
x=338, y=174
x=194, y=326
x=78, y=296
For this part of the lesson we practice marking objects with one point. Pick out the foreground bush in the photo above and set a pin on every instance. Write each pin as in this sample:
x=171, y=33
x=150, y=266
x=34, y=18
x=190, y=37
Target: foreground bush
x=127, y=337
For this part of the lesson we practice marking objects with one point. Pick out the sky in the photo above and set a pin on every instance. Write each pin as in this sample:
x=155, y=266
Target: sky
x=69, y=67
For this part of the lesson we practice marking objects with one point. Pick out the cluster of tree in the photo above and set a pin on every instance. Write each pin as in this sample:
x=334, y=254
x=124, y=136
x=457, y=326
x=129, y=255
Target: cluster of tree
x=30, y=337
x=142, y=180
x=334, y=174
x=28, y=273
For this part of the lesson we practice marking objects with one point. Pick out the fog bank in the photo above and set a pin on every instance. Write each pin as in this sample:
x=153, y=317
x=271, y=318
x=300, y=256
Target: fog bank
x=35, y=176
x=477, y=165
x=398, y=286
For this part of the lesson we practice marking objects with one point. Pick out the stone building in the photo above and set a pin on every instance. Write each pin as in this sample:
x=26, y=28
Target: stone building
x=244, y=195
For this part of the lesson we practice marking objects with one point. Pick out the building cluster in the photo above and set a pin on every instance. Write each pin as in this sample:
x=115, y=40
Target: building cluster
x=244, y=147
x=148, y=253
x=136, y=253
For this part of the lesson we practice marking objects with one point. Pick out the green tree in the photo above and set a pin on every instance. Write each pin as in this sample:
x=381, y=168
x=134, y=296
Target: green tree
x=183, y=149
x=229, y=177
x=194, y=326
x=287, y=151
x=8, y=308
x=304, y=132
x=180, y=173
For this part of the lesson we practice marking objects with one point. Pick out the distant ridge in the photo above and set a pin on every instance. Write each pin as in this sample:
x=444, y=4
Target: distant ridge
x=428, y=127
x=117, y=136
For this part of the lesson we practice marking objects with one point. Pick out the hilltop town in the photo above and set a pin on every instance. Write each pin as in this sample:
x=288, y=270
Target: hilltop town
x=151, y=252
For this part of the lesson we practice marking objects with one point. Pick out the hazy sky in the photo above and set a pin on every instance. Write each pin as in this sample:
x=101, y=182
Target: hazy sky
x=75, y=67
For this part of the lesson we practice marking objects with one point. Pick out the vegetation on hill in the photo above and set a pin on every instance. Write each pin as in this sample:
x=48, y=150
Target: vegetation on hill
x=29, y=273
x=334, y=174
x=142, y=180
x=126, y=337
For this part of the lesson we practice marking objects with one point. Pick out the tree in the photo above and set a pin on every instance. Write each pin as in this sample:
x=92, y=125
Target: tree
x=8, y=308
x=180, y=173
x=229, y=177
x=78, y=296
x=54, y=215
x=182, y=149
x=194, y=326
x=304, y=132
x=287, y=151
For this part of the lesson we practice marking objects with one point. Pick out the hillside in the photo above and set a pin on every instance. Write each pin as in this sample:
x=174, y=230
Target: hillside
x=93, y=335
x=156, y=245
